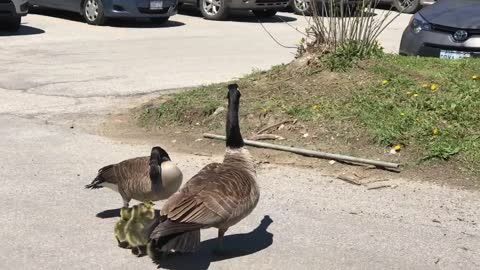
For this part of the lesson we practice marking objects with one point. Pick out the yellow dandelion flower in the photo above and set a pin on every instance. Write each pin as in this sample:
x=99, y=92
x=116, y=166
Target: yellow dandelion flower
x=314, y=107
x=425, y=85
x=384, y=82
x=474, y=77
x=433, y=87
x=397, y=147
x=402, y=114
x=409, y=93
x=415, y=95
x=435, y=131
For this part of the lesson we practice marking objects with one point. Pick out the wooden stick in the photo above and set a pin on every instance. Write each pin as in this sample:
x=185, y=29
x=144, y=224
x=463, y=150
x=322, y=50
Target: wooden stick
x=311, y=153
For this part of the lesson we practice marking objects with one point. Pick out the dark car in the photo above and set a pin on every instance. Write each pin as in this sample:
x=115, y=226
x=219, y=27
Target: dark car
x=449, y=29
x=97, y=11
x=220, y=9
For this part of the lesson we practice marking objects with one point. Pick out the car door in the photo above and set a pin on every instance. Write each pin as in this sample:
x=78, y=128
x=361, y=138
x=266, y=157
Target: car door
x=72, y=5
x=56, y=4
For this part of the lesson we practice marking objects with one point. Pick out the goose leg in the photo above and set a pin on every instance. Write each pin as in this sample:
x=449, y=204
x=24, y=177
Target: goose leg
x=221, y=232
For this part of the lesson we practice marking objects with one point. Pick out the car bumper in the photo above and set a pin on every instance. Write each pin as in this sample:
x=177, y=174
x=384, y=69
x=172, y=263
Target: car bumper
x=431, y=43
x=258, y=4
x=14, y=10
x=138, y=9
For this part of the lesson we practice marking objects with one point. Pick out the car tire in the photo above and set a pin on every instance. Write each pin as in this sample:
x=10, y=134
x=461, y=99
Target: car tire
x=214, y=9
x=93, y=12
x=159, y=20
x=301, y=7
x=265, y=13
x=12, y=24
x=402, y=6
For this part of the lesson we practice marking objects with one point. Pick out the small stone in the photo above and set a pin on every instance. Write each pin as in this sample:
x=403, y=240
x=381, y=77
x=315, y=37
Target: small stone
x=282, y=126
x=174, y=141
x=197, y=140
x=332, y=162
x=305, y=135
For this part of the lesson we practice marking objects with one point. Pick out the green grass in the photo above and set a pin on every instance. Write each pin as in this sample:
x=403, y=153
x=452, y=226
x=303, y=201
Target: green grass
x=433, y=125
x=442, y=123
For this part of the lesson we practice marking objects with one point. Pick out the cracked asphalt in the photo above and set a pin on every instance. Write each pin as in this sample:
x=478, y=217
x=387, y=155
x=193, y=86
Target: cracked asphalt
x=60, y=73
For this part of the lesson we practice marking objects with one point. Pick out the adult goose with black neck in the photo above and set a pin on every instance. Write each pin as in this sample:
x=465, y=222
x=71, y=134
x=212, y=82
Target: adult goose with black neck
x=149, y=178
x=219, y=195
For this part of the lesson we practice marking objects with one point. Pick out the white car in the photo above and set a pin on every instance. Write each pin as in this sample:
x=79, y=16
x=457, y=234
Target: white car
x=11, y=12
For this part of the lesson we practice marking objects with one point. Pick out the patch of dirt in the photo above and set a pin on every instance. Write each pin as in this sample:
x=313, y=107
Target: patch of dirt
x=122, y=127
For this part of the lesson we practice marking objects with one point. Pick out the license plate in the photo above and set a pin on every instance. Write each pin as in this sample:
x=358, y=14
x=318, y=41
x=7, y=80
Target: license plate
x=454, y=54
x=156, y=5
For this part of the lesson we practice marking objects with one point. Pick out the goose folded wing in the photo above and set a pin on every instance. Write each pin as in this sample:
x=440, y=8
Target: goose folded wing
x=209, y=198
x=134, y=168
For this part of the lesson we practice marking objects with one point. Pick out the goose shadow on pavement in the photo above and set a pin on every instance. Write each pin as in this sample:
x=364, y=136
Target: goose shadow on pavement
x=236, y=245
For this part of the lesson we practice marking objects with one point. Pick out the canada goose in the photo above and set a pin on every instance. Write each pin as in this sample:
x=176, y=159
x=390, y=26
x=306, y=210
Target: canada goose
x=134, y=231
x=219, y=195
x=119, y=229
x=150, y=178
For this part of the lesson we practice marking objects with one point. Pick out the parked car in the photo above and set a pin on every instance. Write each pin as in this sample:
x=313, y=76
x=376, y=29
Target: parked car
x=96, y=12
x=407, y=6
x=11, y=12
x=449, y=29
x=220, y=9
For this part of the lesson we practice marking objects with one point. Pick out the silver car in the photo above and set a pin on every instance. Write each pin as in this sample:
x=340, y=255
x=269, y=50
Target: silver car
x=449, y=29
x=97, y=12
x=11, y=12
x=406, y=6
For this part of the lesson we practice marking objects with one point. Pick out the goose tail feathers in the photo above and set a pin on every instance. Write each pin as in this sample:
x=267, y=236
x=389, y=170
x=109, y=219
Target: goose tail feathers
x=101, y=178
x=169, y=236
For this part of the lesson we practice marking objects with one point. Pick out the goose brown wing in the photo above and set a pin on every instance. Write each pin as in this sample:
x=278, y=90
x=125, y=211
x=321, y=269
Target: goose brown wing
x=212, y=196
x=134, y=168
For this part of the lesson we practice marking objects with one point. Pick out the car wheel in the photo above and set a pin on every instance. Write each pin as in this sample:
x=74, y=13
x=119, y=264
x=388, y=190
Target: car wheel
x=214, y=9
x=407, y=6
x=301, y=7
x=93, y=12
x=159, y=20
x=12, y=24
x=266, y=13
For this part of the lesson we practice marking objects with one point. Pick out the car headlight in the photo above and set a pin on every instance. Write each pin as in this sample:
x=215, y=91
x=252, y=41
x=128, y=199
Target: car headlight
x=419, y=24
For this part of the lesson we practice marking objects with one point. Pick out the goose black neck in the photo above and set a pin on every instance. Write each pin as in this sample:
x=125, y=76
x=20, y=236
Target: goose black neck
x=234, y=137
x=155, y=172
